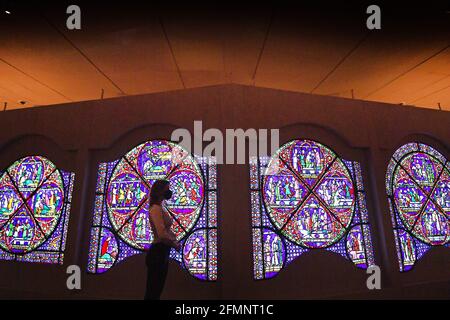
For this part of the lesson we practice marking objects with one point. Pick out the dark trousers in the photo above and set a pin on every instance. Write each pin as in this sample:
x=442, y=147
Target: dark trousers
x=157, y=261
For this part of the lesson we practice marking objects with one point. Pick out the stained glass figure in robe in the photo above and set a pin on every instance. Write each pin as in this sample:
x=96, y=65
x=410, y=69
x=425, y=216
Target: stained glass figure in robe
x=35, y=201
x=418, y=189
x=121, y=226
x=304, y=198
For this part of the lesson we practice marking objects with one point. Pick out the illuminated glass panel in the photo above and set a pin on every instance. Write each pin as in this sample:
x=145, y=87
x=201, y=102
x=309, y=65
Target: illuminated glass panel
x=418, y=189
x=121, y=226
x=306, y=198
x=35, y=201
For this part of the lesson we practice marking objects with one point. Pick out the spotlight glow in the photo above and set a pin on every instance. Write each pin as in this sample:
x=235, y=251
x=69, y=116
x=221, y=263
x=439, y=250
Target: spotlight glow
x=7, y=12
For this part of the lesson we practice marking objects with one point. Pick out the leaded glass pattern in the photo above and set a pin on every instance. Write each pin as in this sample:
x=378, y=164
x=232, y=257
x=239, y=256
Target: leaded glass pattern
x=305, y=198
x=121, y=226
x=418, y=190
x=35, y=199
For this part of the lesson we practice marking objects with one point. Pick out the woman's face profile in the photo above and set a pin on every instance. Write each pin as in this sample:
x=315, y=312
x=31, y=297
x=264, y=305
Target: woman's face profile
x=167, y=192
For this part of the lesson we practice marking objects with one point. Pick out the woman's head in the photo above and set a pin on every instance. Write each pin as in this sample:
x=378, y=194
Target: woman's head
x=160, y=191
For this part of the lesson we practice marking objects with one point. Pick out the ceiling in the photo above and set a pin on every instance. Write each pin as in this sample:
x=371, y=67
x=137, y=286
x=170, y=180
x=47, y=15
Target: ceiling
x=138, y=49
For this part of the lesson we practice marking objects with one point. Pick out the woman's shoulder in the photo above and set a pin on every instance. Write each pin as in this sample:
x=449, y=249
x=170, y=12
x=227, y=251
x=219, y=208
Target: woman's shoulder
x=156, y=207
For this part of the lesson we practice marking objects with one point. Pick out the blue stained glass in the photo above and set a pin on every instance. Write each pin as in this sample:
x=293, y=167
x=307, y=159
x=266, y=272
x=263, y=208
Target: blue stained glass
x=35, y=201
x=307, y=198
x=121, y=226
x=418, y=190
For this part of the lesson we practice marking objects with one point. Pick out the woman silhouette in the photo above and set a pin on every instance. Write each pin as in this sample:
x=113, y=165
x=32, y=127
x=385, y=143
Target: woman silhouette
x=157, y=259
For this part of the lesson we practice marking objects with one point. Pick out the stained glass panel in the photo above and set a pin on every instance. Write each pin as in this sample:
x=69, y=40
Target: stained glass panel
x=304, y=198
x=418, y=189
x=34, y=211
x=121, y=226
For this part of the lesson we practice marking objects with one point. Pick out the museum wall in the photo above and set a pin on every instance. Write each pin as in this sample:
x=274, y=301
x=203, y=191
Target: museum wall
x=78, y=136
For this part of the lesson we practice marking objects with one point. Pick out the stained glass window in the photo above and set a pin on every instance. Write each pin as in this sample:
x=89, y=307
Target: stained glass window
x=306, y=198
x=35, y=201
x=121, y=226
x=418, y=189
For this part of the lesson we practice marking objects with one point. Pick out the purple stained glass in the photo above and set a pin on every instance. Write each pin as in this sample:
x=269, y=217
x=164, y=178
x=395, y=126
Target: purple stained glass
x=108, y=250
x=407, y=249
x=121, y=207
x=356, y=247
x=274, y=253
x=308, y=198
x=195, y=254
x=418, y=189
x=34, y=210
x=187, y=199
x=313, y=226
